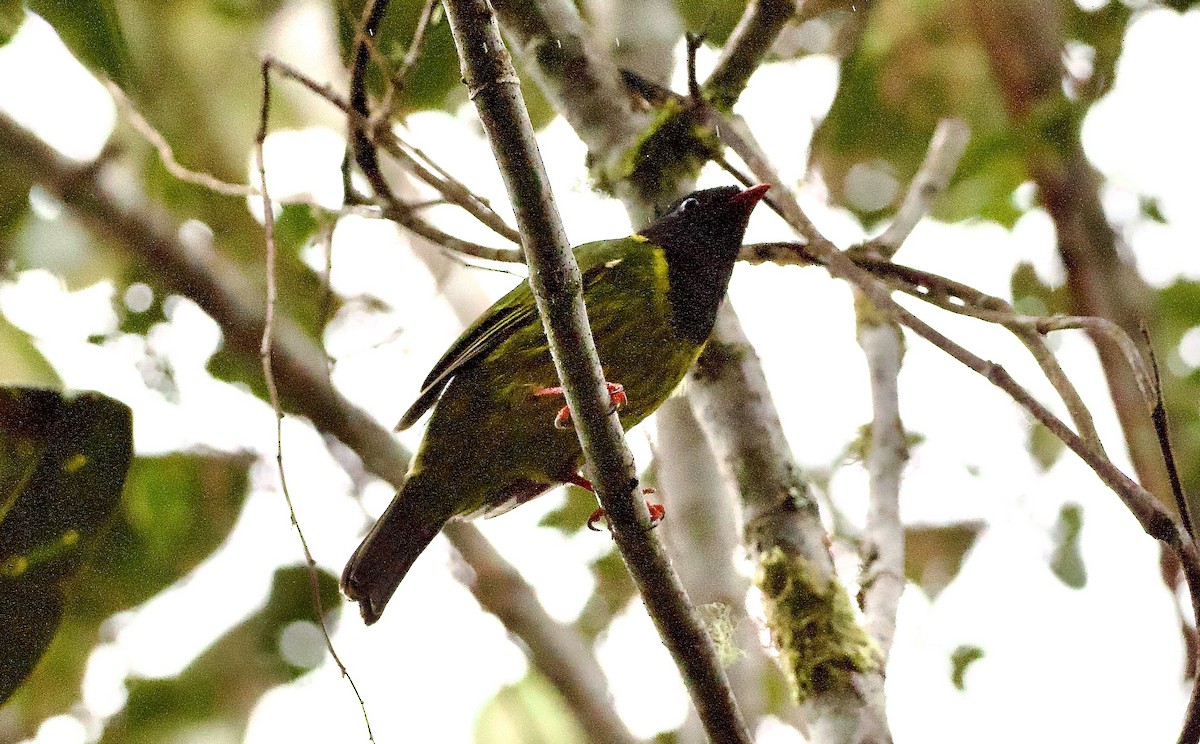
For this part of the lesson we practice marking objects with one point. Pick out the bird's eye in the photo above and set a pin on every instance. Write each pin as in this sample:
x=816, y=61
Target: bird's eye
x=687, y=204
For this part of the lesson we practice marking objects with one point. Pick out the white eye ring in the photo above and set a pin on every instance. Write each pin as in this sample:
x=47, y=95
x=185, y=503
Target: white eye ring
x=687, y=204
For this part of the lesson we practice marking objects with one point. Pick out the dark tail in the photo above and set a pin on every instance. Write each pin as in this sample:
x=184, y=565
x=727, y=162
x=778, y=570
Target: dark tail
x=389, y=550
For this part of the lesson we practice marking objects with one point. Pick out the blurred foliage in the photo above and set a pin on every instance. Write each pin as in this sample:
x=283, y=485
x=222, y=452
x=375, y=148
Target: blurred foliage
x=63, y=459
x=529, y=712
x=176, y=510
x=960, y=660
x=20, y=361
x=1066, y=561
x=917, y=63
x=934, y=554
x=92, y=31
x=221, y=687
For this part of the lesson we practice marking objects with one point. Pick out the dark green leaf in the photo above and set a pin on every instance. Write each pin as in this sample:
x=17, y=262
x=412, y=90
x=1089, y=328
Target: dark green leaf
x=433, y=78
x=92, y=31
x=63, y=459
x=1066, y=561
x=176, y=510
x=961, y=658
x=614, y=589
x=1031, y=296
x=12, y=14
x=222, y=686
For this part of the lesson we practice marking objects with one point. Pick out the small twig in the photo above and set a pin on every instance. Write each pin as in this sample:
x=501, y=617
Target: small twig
x=265, y=352
x=363, y=145
x=941, y=160
x=396, y=210
x=1162, y=428
x=167, y=155
x=555, y=280
x=882, y=343
x=414, y=46
x=693, y=45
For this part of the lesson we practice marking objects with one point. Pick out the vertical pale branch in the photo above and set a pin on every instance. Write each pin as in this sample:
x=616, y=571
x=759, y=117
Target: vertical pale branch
x=882, y=343
x=827, y=655
x=555, y=279
x=882, y=548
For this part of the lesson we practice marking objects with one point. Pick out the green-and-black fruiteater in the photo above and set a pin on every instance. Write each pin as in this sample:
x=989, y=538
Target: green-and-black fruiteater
x=492, y=442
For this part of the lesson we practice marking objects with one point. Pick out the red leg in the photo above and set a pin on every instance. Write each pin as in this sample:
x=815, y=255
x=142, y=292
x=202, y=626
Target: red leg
x=616, y=395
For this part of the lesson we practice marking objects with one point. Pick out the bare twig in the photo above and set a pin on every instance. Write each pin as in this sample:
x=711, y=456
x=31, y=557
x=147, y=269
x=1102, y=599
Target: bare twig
x=363, y=145
x=395, y=209
x=555, y=279
x=1162, y=428
x=941, y=160
x=265, y=351
x=220, y=289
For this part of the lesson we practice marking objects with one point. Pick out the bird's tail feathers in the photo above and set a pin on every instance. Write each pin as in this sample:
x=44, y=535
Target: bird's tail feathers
x=389, y=550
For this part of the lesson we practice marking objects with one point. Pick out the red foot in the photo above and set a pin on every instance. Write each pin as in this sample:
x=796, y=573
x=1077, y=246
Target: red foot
x=657, y=511
x=616, y=396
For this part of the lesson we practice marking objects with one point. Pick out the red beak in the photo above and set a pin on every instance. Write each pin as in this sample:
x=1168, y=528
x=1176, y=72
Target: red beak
x=751, y=196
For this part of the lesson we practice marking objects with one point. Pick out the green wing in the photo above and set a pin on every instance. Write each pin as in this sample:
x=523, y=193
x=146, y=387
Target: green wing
x=499, y=322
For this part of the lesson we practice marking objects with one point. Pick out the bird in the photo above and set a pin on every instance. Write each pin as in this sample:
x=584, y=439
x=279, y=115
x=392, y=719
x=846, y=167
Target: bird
x=496, y=436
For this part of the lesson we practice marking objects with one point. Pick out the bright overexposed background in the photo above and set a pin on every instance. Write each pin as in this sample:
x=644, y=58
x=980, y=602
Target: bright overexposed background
x=1104, y=663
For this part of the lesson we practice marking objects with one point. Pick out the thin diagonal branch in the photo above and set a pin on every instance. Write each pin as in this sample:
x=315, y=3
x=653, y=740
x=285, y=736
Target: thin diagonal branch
x=264, y=352
x=557, y=286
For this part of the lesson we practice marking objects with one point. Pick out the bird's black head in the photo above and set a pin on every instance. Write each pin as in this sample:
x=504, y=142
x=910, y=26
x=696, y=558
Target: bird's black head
x=701, y=235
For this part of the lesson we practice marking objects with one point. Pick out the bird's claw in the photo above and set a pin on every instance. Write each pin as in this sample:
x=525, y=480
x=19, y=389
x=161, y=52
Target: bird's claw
x=562, y=420
x=657, y=513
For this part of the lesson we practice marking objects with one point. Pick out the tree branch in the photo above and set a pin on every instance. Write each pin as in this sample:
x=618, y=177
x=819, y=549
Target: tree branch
x=219, y=288
x=555, y=279
x=745, y=50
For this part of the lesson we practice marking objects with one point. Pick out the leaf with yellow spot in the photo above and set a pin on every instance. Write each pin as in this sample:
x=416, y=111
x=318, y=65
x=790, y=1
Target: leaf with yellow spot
x=63, y=459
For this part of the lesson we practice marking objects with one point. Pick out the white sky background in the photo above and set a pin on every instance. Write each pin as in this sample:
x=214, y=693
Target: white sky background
x=1100, y=664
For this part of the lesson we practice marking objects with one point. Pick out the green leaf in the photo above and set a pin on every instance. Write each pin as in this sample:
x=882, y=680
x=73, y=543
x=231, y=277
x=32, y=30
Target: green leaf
x=573, y=514
x=1045, y=447
x=20, y=361
x=63, y=459
x=529, y=712
x=934, y=554
x=223, y=685
x=176, y=510
x=918, y=63
x=1066, y=561
x=1031, y=296
x=433, y=78
x=92, y=31
x=12, y=15
x=961, y=658
x=614, y=590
